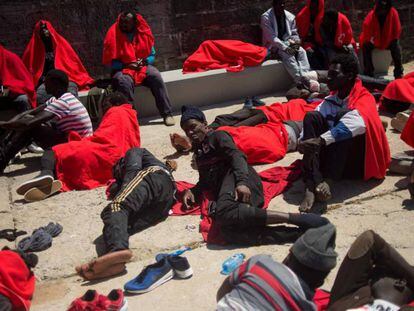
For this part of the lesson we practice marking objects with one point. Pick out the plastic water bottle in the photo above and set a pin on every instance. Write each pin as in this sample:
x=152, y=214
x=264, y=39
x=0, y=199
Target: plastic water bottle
x=180, y=251
x=231, y=263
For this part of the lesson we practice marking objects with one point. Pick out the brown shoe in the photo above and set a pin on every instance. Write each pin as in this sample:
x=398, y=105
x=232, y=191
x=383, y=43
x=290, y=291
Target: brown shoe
x=38, y=194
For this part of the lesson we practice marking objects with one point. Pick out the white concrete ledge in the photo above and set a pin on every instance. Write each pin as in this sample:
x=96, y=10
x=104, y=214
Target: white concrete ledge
x=213, y=87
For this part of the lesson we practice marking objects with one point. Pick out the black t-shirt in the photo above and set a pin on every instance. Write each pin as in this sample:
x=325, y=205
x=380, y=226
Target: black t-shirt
x=281, y=26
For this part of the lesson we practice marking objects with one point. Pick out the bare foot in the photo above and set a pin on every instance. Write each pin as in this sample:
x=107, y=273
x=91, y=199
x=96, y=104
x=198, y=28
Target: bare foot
x=323, y=192
x=307, y=202
x=180, y=143
x=105, y=265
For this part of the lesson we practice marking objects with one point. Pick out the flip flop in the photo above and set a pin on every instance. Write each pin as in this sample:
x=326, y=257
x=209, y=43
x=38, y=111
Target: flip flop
x=38, y=194
x=37, y=182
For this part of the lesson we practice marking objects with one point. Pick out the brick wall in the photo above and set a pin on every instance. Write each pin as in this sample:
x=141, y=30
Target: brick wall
x=179, y=26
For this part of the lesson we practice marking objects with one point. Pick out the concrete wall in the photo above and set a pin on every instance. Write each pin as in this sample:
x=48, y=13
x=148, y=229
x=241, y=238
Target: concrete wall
x=179, y=25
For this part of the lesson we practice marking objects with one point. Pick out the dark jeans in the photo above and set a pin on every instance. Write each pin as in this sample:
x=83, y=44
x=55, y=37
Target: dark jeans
x=48, y=163
x=43, y=96
x=368, y=257
x=142, y=203
x=19, y=103
x=45, y=136
x=344, y=159
x=5, y=304
x=395, y=50
x=125, y=84
x=242, y=117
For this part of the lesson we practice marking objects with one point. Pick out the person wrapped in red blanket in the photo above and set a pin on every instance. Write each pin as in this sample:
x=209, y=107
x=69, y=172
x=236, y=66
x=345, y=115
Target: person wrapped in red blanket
x=86, y=163
x=344, y=136
x=17, y=281
x=48, y=50
x=335, y=37
x=129, y=51
x=16, y=84
x=398, y=95
x=382, y=30
x=232, y=55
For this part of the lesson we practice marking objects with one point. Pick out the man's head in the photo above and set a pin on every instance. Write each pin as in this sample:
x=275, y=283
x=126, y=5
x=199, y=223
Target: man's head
x=314, y=7
x=342, y=72
x=382, y=7
x=114, y=99
x=44, y=31
x=279, y=7
x=56, y=82
x=313, y=255
x=194, y=124
x=330, y=19
x=127, y=22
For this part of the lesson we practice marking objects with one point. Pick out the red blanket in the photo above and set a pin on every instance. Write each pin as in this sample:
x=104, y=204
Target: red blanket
x=86, y=163
x=66, y=58
x=17, y=283
x=117, y=46
x=232, y=55
x=344, y=34
x=303, y=21
x=408, y=133
x=15, y=76
x=377, y=150
x=401, y=90
x=275, y=181
x=371, y=30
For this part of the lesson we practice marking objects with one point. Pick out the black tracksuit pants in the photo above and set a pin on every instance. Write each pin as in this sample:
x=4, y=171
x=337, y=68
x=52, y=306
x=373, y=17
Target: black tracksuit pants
x=142, y=203
x=242, y=117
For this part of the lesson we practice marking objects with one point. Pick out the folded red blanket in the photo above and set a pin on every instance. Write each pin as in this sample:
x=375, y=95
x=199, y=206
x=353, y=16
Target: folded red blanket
x=275, y=181
x=86, y=163
x=401, y=90
x=232, y=55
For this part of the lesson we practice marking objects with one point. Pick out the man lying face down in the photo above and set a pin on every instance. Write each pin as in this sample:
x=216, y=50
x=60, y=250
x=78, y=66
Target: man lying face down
x=372, y=276
x=236, y=192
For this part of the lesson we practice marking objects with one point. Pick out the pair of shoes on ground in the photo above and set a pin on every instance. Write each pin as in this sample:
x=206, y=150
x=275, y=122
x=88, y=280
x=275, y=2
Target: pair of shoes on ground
x=165, y=268
x=39, y=188
x=400, y=120
x=251, y=102
x=169, y=120
x=93, y=301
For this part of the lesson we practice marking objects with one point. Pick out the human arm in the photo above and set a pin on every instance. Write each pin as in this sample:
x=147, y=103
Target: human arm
x=28, y=119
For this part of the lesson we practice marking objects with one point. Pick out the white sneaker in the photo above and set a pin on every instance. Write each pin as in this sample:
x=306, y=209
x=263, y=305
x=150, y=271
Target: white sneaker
x=34, y=148
x=37, y=182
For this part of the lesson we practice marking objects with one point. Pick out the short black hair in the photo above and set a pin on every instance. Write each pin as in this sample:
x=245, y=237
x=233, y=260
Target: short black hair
x=59, y=77
x=116, y=99
x=348, y=63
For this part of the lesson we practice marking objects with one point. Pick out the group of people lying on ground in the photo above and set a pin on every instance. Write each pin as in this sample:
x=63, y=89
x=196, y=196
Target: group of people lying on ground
x=339, y=133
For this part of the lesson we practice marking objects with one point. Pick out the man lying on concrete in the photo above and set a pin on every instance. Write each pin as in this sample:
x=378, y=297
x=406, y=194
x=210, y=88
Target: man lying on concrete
x=236, y=192
x=142, y=196
x=129, y=51
x=48, y=124
x=372, y=276
x=344, y=136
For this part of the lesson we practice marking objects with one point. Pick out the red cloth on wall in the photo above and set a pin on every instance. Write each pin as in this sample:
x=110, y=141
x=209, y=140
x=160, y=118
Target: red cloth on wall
x=15, y=76
x=86, y=163
x=408, y=133
x=117, y=46
x=232, y=55
x=275, y=181
x=377, y=150
x=381, y=38
x=303, y=22
x=66, y=58
x=401, y=90
x=17, y=282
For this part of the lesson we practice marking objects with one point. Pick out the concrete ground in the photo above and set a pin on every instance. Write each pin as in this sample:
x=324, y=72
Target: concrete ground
x=356, y=207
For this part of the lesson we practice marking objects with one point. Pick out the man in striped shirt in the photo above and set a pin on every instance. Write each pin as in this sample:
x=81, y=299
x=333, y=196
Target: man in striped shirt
x=48, y=124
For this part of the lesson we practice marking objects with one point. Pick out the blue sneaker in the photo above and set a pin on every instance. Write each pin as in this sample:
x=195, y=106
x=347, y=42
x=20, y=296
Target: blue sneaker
x=151, y=277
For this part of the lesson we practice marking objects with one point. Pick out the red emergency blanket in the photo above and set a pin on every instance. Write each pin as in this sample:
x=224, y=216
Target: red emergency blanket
x=377, y=150
x=117, y=46
x=401, y=90
x=15, y=76
x=275, y=181
x=408, y=133
x=17, y=282
x=381, y=38
x=66, y=58
x=303, y=22
x=344, y=34
x=232, y=55
x=86, y=163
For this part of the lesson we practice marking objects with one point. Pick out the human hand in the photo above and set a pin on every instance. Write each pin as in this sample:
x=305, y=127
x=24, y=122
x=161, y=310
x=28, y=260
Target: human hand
x=188, y=199
x=290, y=51
x=311, y=145
x=243, y=194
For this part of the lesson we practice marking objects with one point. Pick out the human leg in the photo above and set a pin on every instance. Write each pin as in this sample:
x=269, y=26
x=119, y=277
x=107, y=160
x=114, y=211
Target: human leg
x=395, y=49
x=367, y=49
x=303, y=61
x=125, y=84
x=291, y=65
x=5, y=304
x=242, y=117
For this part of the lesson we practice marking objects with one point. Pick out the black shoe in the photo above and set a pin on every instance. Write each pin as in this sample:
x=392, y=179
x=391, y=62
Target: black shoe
x=181, y=267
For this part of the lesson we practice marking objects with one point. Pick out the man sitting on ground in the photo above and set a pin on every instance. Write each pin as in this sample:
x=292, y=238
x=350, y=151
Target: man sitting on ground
x=128, y=44
x=344, y=136
x=143, y=194
x=372, y=276
x=48, y=50
x=48, y=124
x=382, y=30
